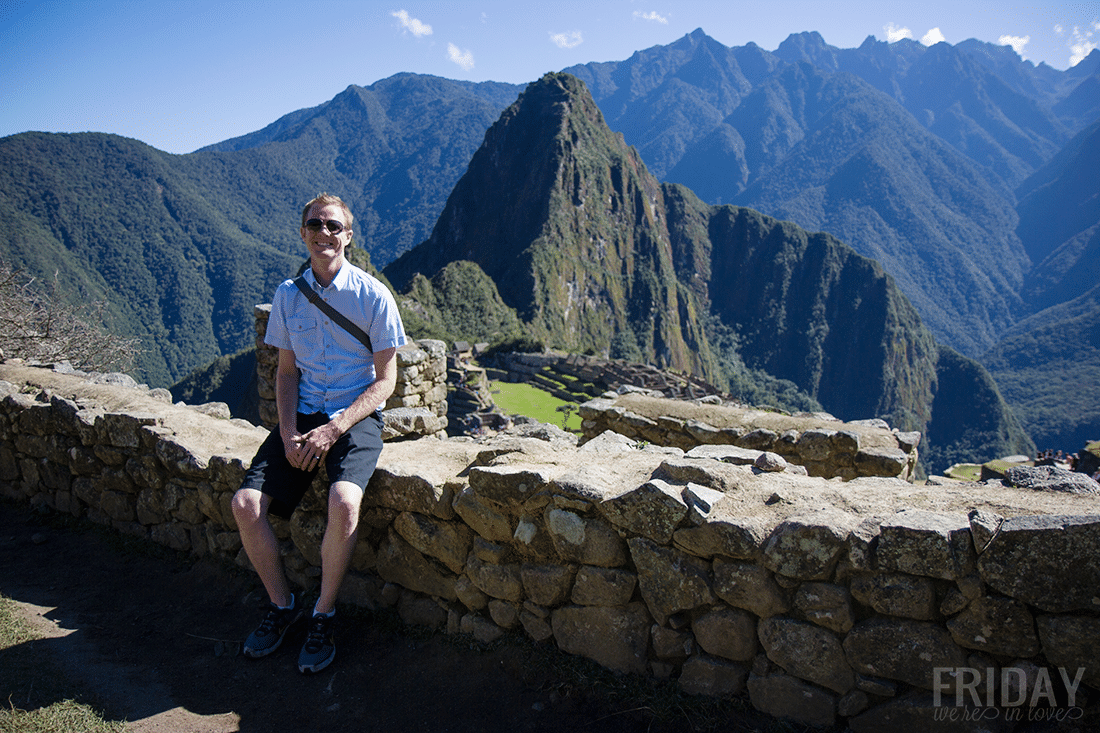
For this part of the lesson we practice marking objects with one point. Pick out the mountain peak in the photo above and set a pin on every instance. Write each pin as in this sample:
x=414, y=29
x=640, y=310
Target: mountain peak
x=569, y=224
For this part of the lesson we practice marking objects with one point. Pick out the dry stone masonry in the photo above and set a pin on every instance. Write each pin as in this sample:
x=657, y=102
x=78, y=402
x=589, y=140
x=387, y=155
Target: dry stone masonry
x=873, y=602
x=818, y=442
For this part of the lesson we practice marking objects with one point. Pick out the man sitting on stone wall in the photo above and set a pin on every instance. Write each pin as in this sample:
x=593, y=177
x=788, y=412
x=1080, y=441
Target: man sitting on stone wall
x=329, y=387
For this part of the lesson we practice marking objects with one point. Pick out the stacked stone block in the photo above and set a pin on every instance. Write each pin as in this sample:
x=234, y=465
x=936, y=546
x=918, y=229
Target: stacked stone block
x=820, y=601
x=821, y=444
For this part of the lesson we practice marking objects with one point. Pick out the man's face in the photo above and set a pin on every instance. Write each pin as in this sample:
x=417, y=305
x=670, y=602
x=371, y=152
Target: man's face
x=324, y=245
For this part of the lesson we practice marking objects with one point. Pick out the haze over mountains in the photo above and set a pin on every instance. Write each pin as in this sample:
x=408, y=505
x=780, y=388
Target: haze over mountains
x=961, y=169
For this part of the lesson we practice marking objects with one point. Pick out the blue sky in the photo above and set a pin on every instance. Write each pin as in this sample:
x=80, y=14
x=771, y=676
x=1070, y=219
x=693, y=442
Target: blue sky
x=180, y=75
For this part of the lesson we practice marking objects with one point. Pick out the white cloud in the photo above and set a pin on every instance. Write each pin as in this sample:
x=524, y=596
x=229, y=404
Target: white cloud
x=932, y=37
x=651, y=15
x=1059, y=30
x=412, y=25
x=1083, y=43
x=1017, y=43
x=567, y=40
x=895, y=34
x=465, y=59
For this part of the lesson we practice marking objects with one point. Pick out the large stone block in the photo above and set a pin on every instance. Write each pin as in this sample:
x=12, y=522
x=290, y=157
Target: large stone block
x=726, y=633
x=809, y=546
x=508, y=485
x=827, y=605
x=705, y=675
x=584, y=540
x=596, y=586
x=901, y=649
x=400, y=563
x=1072, y=643
x=1046, y=561
x=504, y=582
x=749, y=586
x=807, y=651
x=654, y=510
x=548, y=585
x=926, y=543
x=670, y=580
x=784, y=696
x=615, y=637
x=897, y=594
x=996, y=625
x=424, y=486
x=485, y=517
x=448, y=542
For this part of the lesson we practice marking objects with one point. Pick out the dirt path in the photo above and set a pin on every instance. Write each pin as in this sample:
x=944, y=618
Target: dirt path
x=153, y=640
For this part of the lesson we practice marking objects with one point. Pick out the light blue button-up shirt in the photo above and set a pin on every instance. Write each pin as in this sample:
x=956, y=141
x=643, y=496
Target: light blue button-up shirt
x=335, y=366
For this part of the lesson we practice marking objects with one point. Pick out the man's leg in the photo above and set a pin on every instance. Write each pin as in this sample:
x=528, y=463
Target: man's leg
x=338, y=545
x=341, y=533
x=260, y=544
x=250, y=510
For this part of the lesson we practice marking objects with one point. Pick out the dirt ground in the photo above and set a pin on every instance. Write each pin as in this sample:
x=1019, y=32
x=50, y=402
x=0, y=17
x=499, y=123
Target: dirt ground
x=152, y=638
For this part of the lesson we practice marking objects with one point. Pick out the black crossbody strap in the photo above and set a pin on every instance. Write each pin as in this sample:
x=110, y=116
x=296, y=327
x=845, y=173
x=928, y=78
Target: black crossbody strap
x=334, y=314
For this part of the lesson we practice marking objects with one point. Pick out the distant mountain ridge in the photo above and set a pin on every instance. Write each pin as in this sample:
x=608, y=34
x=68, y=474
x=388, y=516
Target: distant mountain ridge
x=803, y=135
x=927, y=184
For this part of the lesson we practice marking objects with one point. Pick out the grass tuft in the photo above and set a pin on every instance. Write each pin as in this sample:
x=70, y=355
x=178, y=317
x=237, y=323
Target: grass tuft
x=37, y=680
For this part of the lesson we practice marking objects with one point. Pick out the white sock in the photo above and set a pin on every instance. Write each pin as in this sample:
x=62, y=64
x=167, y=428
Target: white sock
x=287, y=608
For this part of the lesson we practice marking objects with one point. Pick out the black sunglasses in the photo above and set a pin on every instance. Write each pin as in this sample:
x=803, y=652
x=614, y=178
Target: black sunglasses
x=333, y=226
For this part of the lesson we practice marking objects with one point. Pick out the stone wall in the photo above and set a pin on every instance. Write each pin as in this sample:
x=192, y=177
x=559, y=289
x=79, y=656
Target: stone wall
x=599, y=375
x=867, y=602
x=820, y=443
x=418, y=405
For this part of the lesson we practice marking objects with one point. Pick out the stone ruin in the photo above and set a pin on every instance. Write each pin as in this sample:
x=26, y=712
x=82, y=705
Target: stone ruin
x=864, y=600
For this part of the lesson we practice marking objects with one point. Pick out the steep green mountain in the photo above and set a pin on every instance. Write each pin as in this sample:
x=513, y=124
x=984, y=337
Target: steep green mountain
x=574, y=240
x=1047, y=364
x=118, y=221
x=1060, y=223
x=1046, y=368
x=593, y=254
x=858, y=166
x=182, y=246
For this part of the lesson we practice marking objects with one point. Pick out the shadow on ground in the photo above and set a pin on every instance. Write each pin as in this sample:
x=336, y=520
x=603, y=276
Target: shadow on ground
x=152, y=637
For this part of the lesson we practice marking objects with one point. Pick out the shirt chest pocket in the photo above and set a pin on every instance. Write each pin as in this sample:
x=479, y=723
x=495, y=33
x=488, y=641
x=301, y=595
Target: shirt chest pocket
x=304, y=334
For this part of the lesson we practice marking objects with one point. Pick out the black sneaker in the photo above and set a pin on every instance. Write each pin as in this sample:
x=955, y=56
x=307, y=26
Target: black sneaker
x=320, y=648
x=269, y=634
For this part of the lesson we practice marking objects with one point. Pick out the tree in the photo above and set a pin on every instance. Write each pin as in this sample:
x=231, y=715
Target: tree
x=36, y=326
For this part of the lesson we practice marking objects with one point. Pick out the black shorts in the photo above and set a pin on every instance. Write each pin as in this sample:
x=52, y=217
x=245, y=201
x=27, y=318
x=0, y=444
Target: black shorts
x=352, y=458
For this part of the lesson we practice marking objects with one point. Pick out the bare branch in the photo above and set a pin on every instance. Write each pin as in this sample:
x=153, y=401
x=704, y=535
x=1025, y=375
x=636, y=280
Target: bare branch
x=36, y=327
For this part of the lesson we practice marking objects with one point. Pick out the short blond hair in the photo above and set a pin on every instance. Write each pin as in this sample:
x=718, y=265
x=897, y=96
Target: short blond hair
x=326, y=199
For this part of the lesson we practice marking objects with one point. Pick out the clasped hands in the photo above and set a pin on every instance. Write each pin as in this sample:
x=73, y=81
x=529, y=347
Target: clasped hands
x=307, y=452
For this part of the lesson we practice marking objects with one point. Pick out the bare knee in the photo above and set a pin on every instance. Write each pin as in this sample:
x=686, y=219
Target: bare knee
x=344, y=500
x=248, y=507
